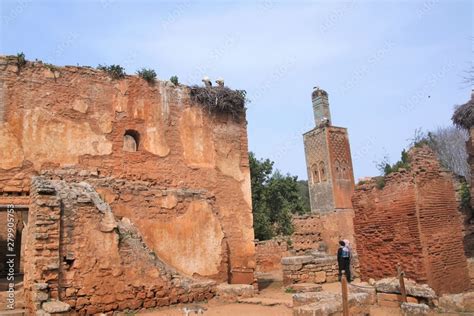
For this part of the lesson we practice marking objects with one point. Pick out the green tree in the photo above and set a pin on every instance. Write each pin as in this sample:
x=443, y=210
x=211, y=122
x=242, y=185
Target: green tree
x=275, y=198
x=304, y=193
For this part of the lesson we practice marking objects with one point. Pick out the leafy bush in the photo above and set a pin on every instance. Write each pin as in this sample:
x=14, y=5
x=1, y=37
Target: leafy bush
x=380, y=183
x=465, y=194
x=290, y=290
x=149, y=75
x=51, y=67
x=174, y=80
x=114, y=71
x=386, y=168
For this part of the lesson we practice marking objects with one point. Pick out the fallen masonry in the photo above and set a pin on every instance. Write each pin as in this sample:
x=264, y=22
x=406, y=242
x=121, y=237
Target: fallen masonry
x=362, y=298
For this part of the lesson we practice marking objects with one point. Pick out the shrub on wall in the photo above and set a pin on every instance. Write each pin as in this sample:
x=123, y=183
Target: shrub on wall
x=20, y=60
x=149, y=75
x=114, y=71
x=174, y=80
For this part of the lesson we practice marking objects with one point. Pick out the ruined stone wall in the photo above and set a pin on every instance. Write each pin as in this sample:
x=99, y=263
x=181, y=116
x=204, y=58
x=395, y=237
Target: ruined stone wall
x=413, y=220
x=315, y=267
x=470, y=152
x=155, y=211
x=322, y=231
x=79, y=118
x=42, y=258
x=268, y=254
x=92, y=261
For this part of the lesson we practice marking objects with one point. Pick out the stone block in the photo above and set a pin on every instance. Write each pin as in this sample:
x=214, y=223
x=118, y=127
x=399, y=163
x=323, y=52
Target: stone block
x=296, y=260
x=413, y=309
x=463, y=302
x=391, y=285
x=40, y=286
x=394, y=298
x=232, y=292
x=306, y=287
x=318, y=309
x=353, y=289
x=39, y=296
x=56, y=307
x=320, y=277
x=300, y=299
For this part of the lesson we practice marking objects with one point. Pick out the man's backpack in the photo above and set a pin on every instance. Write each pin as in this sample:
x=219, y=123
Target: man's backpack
x=345, y=252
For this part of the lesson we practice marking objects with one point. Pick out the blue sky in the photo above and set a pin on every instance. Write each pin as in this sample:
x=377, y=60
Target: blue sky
x=389, y=67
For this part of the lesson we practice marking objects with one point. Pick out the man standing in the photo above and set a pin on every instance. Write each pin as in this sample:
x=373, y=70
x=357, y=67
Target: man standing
x=344, y=260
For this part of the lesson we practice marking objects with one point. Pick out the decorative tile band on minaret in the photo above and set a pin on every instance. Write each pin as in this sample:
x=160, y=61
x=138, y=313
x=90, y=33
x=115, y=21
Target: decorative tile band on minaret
x=328, y=160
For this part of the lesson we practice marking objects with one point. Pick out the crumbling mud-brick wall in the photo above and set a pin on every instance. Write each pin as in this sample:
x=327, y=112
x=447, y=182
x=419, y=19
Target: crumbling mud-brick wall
x=463, y=118
x=322, y=231
x=268, y=254
x=78, y=252
x=178, y=172
x=413, y=220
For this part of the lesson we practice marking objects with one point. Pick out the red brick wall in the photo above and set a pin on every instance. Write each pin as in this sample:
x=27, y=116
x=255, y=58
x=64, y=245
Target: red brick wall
x=413, y=220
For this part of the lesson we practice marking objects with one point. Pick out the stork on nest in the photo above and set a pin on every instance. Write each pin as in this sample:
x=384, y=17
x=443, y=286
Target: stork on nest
x=220, y=82
x=207, y=81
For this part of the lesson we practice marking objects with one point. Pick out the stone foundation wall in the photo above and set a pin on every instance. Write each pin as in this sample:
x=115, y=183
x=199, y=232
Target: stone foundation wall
x=413, y=220
x=314, y=268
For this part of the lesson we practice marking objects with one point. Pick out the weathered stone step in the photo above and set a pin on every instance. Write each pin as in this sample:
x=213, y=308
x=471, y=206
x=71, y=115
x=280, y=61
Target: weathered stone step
x=17, y=312
x=265, y=301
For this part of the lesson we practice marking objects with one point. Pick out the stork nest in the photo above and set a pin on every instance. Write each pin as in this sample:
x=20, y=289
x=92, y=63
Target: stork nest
x=464, y=115
x=220, y=99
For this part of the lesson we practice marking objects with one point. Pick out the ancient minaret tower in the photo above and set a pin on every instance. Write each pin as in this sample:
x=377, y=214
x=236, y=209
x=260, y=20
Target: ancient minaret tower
x=328, y=160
